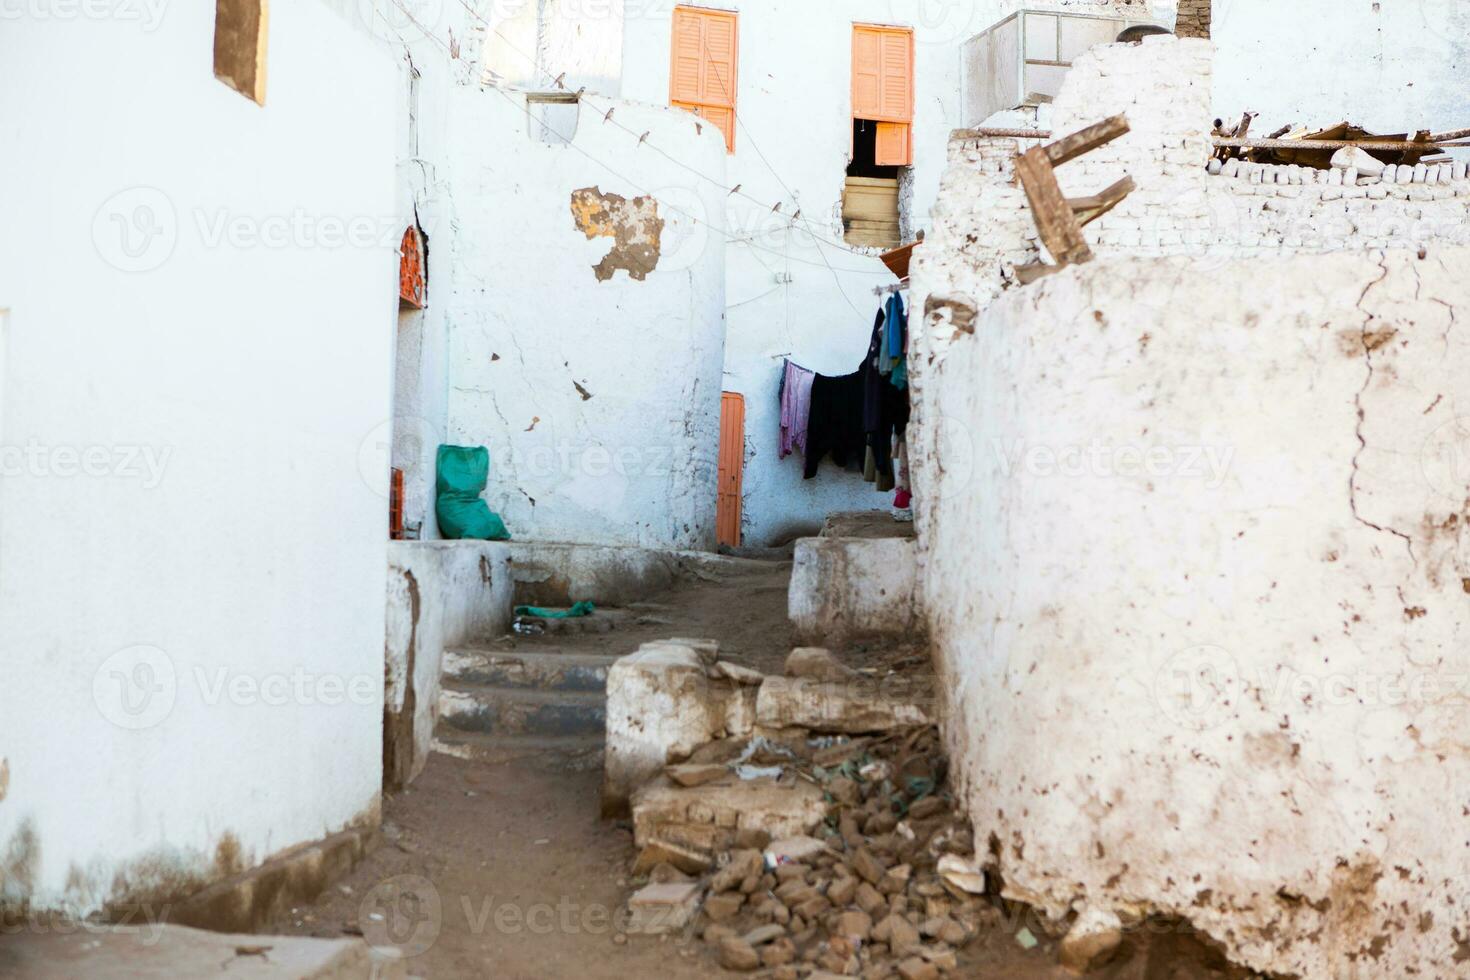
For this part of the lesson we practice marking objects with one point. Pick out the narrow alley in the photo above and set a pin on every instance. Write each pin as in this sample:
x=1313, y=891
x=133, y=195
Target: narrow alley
x=880, y=489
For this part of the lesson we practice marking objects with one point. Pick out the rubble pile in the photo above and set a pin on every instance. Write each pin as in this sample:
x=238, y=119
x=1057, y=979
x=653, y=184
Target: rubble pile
x=804, y=854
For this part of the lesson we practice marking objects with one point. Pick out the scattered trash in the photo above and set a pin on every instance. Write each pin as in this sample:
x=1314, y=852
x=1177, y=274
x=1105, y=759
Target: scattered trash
x=748, y=773
x=583, y=608
x=527, y=627
x=1025, y=940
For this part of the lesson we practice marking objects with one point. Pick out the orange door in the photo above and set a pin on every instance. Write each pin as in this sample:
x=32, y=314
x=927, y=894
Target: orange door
x=732, y=468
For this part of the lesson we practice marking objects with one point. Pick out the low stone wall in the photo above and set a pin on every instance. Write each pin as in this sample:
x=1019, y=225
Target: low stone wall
x=848, y=589
x=984, y=227
x=440, y=594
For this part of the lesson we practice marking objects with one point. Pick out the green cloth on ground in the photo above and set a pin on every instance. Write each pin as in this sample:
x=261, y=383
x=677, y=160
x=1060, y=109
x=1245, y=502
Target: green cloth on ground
x=583, y=608
x=462, y=472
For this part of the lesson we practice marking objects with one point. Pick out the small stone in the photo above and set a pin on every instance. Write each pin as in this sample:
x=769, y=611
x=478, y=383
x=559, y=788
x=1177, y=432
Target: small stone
x=743, y=864
x=868, y=867
x=737, y=954
x=791, y=850
x=953, y=933
x=868, y=899
x=666, y=874
x=895, y=880
x=752, y=838
x=686, y=859
x=779, y=953
x=792, y=872
x=722, y=907
x=715, y=933
x=619, y=939
x=783, y=972
x=842, y=890
x=915, y=968
x=945, y=959
x=898, y=932
x=844, y=791
x=854, y=925
x=817, y=663
x=927, y=807
x=662, y=908
x=696, y=775
x=764, y=934
x=811, y=908
x=1092, y=940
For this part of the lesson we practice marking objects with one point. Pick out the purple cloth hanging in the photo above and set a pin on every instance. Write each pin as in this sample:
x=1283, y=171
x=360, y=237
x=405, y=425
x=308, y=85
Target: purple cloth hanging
x=796, y=408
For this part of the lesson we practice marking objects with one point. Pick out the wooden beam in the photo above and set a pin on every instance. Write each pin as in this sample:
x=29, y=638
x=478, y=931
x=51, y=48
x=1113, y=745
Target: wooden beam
x=1089, y=209
x=1027, y=274
x=1086, y=140
x=1058, y=226
x=1264, y=144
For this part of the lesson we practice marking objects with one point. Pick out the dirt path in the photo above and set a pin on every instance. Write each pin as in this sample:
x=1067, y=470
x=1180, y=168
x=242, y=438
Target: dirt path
x=507, y=872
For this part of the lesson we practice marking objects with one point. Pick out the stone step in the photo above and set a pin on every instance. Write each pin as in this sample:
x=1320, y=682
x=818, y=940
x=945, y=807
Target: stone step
x=565, y=753
x=518, y=711
x=546, y=670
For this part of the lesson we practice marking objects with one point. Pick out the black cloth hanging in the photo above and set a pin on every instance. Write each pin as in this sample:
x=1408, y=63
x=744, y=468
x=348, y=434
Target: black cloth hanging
x=835, y=425
x=885, y=409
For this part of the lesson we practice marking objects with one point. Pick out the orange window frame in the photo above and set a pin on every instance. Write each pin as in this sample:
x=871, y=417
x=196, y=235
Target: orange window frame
x=895, y=137
x=712, y=99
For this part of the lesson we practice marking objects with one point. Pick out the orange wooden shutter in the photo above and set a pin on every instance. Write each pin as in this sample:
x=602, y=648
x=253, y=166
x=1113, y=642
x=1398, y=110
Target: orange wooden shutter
x=703, y=66
x=732, y=468
x=686, y=70
x=883, y=89
x=867, y=79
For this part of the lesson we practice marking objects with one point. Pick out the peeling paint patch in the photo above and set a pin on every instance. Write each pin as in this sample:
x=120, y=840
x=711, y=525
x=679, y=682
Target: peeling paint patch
x=633, y=225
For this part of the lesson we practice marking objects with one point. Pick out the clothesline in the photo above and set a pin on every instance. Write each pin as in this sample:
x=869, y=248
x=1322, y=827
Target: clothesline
x=890, y=288
x=857, y=419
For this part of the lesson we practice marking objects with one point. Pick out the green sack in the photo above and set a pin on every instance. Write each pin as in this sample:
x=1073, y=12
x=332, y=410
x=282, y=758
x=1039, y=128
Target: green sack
x=462, y=473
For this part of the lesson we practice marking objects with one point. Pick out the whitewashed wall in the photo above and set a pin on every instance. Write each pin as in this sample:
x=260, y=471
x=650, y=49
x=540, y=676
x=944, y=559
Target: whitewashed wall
x=1391, y=65
x=791, y=294
x=217, y=391
x=598, y=399
x=1191, y=541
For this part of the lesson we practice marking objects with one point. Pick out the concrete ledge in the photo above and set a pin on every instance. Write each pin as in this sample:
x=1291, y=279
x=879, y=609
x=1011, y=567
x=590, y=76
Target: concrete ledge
x=167, y=952
x=440, y=594
x=849, y=589
x=553, y=574
x=247, y=902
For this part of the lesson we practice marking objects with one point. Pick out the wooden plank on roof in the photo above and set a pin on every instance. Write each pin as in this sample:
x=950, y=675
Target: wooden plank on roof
x=1055, y=222
x=1086, y=140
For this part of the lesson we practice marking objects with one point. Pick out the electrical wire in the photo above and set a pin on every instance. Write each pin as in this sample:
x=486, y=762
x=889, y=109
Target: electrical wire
x=525, y=108
x=736, y=190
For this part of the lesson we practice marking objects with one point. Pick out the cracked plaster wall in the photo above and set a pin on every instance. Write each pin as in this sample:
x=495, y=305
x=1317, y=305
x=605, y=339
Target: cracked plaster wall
x=1193, y=544
x=586, y=322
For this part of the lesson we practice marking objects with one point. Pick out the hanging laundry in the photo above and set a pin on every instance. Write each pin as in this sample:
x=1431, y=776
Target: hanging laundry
x=885, y=411
x=883, y=362
x=898, y=326
x=796, y=406
x=835, y=422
